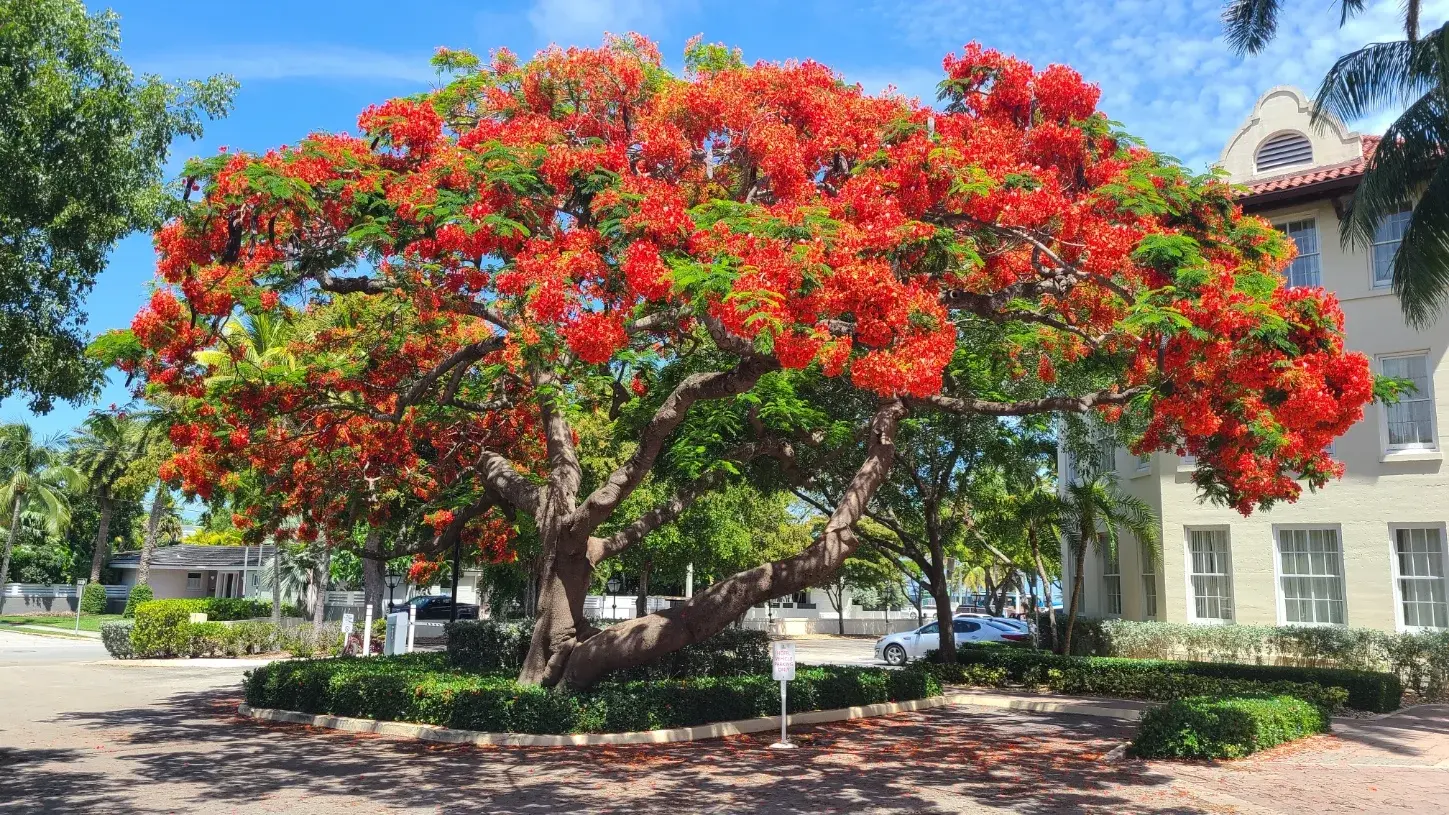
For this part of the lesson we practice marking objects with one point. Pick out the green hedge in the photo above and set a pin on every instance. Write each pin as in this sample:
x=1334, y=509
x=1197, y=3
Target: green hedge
x=1420, y=660
x=139, y=594
x=160, y=627
x=1161, y=680
x=93, y=599
x=424, y=688
x=163, y=628
x=494, y=646
x=116, y=636
x=1206, y=727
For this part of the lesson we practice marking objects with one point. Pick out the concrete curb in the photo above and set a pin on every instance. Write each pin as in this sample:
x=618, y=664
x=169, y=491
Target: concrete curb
x=189, y=662
x=425, y=732
x=1004, y=702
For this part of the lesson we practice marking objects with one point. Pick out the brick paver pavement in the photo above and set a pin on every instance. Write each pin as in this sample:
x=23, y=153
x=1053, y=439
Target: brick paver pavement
x=123, y=739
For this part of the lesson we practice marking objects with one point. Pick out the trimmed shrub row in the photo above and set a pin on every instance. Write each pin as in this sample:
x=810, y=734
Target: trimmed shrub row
x=1206, y=727
x=423, y=688
x=1161, y=680
x=1420, y=660
x=500, y=646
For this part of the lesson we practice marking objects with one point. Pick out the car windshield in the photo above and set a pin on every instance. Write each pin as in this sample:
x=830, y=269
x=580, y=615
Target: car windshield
x=1001, y=624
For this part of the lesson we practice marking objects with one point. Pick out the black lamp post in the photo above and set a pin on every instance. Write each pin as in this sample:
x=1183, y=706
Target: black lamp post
x=394, y=579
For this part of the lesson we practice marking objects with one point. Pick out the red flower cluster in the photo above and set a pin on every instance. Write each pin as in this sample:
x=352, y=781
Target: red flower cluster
x=587, y=208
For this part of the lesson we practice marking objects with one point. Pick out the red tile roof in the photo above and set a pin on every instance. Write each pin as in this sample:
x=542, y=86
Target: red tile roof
x=1346, y=169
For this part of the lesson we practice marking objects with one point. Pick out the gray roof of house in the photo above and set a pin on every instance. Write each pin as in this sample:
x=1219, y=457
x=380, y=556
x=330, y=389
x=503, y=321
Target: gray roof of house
x=202, y=557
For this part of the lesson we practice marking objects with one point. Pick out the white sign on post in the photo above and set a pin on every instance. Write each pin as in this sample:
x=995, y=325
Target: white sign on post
x=782, y=657
x=348, y=619
x=782, y=662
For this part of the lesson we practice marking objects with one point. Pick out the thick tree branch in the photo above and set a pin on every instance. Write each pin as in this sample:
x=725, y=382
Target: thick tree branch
x=510, y=485
x=695, y=387
x=642, y=639
x=1048, y=404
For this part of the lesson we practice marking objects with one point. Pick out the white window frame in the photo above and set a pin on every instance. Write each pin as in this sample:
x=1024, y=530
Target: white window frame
x=1187, y=574
x=1394, y=528
x=1389, y=450
x=1375, y=243
x=1107, y=578
x=1281, y=599
x=1149, y=590
x=1282, y=225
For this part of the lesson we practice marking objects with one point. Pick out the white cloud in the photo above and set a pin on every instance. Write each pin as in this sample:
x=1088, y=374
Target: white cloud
x=1163, y=67
x=583, y=22
x=264, y=62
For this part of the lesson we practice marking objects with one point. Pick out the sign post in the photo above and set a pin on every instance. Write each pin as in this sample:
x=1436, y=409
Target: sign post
x=367, y=632
x=80, y=590
x=782, y=660
x=412, y=623
x=348, y=621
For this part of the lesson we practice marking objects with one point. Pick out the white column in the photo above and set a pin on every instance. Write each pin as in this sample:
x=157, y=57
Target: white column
x=689, y=581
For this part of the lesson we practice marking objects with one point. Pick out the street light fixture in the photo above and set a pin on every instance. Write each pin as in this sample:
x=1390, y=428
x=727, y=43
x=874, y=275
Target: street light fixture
x=394, y=579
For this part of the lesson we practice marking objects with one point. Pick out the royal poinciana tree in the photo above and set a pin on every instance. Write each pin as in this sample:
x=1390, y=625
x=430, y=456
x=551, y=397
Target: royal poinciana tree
x=587, y=234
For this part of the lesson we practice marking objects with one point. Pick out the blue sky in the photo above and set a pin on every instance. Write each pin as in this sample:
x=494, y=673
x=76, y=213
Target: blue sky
x=307, y=65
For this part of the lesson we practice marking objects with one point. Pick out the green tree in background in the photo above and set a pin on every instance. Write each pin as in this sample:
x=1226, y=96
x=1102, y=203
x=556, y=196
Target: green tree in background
x=1406, y=171
x=1095, y=514
x=104, y=450
x=82, y=151
x=33, y=480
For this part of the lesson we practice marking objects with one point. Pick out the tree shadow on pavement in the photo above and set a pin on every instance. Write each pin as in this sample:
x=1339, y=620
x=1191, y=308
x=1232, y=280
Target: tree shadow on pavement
x=202, y=755
x=31, y=782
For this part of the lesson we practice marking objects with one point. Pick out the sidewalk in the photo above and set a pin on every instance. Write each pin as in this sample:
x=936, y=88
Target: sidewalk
x=1125, y=709
x=52, y=631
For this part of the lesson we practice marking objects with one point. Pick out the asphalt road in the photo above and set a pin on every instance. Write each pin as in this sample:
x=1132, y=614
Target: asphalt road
x=38, y=649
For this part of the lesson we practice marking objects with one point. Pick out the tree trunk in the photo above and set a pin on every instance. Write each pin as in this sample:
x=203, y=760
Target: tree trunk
x=945, y=613
x=103, y=536
x=1046, y=586
x=13, y=533
x=1079, y=560
x=560, y=627
x=641, y=603
x=372, y=572
x=153, y=524
x=916, y=601
x=276, y=585
x=840, y=609
x=644, y=639
x=320, y=576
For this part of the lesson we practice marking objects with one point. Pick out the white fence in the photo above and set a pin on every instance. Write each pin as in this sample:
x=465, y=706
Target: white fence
x=42, y=598
x=620, y=606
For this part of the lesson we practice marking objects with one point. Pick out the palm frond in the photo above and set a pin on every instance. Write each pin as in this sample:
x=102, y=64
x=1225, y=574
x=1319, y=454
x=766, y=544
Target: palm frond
x=1376, y=77
x=1421, y=266
x=1250, y=24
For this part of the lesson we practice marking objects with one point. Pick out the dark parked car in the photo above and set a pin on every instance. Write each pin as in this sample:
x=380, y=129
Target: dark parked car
x=437, y=607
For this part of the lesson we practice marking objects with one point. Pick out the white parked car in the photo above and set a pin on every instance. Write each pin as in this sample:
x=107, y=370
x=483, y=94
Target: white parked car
x=897, y=649
x=1011, y=622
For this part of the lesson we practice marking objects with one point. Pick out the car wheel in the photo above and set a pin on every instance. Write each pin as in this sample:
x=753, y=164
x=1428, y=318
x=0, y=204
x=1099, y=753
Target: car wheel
x=895, y=654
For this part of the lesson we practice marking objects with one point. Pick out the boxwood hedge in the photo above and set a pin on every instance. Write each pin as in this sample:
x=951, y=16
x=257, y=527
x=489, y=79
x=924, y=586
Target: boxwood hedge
x=1205, y=727
x=1165, y=680
x=424, y=688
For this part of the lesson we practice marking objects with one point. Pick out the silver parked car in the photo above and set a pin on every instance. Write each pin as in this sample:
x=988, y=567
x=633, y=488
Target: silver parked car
x=897, y=649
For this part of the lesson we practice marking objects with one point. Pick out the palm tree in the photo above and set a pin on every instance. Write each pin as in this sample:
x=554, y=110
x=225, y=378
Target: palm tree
x=1095, y=514
x=103, y=451
x=33, y=480
x=1041, y=511
x=262, y=339
x=289, y=573
x=1406, y=171
x=163, y=521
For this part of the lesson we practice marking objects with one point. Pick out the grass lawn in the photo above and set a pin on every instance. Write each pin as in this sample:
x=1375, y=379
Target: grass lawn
x=88, y=622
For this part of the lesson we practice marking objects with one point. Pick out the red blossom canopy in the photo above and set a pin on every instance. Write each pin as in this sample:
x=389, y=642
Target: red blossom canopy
x=478, y=262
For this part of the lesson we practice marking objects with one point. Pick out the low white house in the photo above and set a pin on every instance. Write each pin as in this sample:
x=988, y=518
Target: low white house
x=185, y=570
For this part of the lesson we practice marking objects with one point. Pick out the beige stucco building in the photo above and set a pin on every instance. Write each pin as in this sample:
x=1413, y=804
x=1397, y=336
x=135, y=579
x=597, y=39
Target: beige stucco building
x=1367, y=551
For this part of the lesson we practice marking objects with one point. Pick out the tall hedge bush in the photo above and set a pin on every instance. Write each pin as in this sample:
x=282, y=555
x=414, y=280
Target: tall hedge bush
x=139, y=594
x=160, y=628
x=93, y=599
